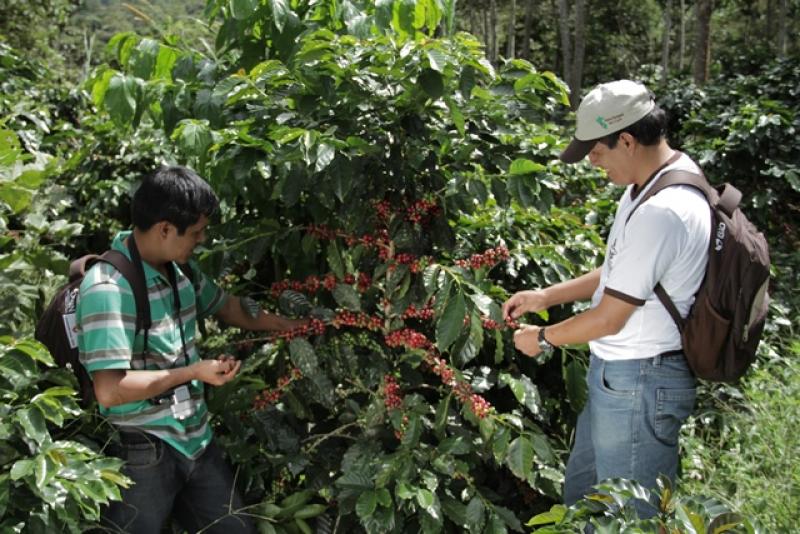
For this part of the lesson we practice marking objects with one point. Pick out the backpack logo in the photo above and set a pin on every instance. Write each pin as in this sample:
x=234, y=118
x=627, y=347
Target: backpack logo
x=720, y=237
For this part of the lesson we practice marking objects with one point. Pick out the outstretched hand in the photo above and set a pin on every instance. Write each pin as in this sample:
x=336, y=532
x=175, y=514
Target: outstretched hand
x=523, y=302
x=217, y=372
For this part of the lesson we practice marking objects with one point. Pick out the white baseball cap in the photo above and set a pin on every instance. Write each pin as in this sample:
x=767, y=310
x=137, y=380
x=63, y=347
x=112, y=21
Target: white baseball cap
x=608, y=108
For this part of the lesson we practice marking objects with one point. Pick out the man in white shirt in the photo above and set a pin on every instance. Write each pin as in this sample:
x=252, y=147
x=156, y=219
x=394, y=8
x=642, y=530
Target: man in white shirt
x=640, y=387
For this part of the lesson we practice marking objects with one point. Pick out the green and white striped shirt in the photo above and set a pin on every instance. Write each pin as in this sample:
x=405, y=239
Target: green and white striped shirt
x=106, y=315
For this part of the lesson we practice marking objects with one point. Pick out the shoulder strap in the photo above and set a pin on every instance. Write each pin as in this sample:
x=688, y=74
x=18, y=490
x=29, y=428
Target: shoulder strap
x=698, y=181
x=137, y=282
x=679, y=177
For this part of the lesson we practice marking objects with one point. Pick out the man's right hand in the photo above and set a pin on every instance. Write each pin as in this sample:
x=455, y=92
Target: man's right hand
x=523, y=302
x=217, y=372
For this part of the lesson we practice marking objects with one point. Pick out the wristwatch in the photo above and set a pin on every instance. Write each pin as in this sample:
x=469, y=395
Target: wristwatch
x=545, y=346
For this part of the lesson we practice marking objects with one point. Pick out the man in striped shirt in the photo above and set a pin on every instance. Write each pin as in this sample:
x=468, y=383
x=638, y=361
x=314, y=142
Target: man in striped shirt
x=151, y=384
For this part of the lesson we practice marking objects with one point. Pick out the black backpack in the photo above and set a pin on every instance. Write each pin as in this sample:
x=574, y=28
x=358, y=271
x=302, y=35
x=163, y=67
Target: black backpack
x=57, y=330
x=724, y=326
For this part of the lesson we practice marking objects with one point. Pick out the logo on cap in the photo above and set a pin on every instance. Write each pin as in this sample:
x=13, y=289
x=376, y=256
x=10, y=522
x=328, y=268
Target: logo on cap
x=601, y=121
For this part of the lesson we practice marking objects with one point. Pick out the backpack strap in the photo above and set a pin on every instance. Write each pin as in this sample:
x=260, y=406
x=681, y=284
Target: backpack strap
x=679, y=177
x=727, y=200
x=137, y=281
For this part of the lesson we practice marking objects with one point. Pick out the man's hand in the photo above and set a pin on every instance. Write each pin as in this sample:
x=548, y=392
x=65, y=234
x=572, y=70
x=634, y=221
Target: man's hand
x=217, y=372
x=523, y=302
x=291, y=324
x=526, y=340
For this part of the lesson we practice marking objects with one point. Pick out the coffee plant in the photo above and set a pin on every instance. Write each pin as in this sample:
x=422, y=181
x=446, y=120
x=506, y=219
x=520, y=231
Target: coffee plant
x=394, y=187
x=611, y=509
x=49, y=479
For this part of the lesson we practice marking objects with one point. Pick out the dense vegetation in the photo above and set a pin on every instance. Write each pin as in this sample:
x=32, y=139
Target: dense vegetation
x=378, y=173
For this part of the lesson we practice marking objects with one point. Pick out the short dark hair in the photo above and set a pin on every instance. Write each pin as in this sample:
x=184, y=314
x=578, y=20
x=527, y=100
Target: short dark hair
x=648, y=131
x=174, y=194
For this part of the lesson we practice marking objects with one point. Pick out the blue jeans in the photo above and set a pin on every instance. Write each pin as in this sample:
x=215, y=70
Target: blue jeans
x=629, y=427
x=198, y=493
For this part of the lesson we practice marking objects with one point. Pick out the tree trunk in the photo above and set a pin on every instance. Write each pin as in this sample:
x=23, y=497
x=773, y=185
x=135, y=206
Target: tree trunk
x=702, y=47
x=769, y=31
x=566, y=49
x=580, y=48
x=665, y=41
x=525, y=47
x=512, y=31
x=682, y=53
x=783, y=13
x=493, y=31
x=486, y=38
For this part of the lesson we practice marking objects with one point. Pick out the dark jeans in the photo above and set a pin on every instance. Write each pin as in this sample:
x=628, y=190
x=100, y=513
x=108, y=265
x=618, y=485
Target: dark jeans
x=199, y=493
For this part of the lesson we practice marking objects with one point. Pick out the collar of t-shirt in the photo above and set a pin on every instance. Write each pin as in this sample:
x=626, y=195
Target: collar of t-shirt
x=635, y=191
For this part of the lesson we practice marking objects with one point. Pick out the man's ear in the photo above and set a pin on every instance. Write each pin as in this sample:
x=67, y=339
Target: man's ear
x=627, y=140
x=163, y=229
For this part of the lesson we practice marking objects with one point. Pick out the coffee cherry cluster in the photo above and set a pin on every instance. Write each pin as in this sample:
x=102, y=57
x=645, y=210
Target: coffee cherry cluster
x=268, y=397
x=479, y=406
x=362, y=339
x=412, y=312
x=422, y=210
x=489, y=258
x=491, y=324
x=359, y=320
x=461, y=389
x=315, y=327
x=392, y=398
x=383, y=210
x=312, y=284
x=408, y=338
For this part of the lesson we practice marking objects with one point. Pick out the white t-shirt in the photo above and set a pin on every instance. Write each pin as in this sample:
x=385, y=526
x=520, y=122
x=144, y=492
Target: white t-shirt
x=666, y=240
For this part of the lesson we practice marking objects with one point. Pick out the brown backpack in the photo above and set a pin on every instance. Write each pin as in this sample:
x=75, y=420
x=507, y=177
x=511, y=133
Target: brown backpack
x=57, y=329
x=722, y=331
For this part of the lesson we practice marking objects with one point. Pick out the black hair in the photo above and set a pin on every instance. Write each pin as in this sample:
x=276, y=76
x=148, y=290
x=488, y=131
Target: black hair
x=173, y=194
x=648, y=131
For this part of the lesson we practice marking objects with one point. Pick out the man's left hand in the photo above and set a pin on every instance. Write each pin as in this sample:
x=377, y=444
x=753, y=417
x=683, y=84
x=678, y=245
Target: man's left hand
x=526, y=340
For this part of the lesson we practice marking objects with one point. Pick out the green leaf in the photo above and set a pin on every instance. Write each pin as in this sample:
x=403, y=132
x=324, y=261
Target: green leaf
x=554, y=515
x=21, y=469
x=432, y=83
x=451, y=322
x=495, y=525
x=17, y=198
x=33, y=423
x=303, y=356
x=520, y=457
x=525, y=166
x=575, y=381
x=335, y=261
x=325, y=154
x=525, y=392
x=347, y=297
x=437, y=59
x=425, y=498
x=120, y=99
x=167, y=56
x=312, y=510
x=5, y=492
x=366, y=504
x=475, y=514
x=280, y=13
x=194, y=137
x=243, y=9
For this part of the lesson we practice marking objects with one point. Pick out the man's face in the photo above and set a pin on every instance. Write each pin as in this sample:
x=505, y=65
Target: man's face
x=615, y=161
x=182, y=246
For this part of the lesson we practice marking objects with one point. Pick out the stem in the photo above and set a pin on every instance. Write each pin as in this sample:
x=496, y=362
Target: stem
x=322, y=437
